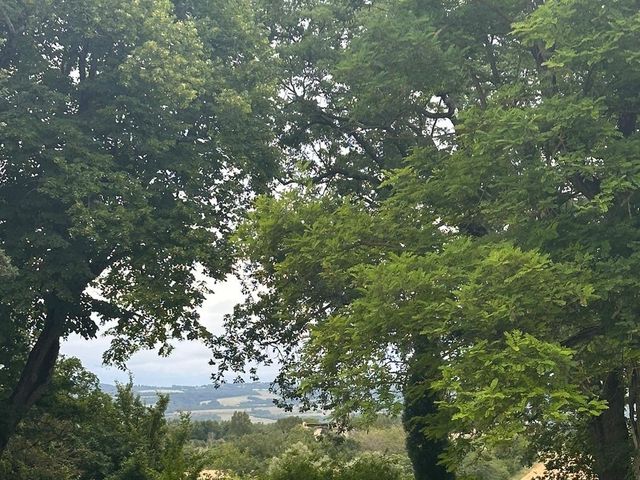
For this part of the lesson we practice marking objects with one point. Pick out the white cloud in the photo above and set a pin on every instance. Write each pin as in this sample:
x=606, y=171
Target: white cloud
x=187, y=364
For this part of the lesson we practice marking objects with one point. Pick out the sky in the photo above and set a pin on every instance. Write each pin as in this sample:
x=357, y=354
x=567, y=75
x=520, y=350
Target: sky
x=188, y=364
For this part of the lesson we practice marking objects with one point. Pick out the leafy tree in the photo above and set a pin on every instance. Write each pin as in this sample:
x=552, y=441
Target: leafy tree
x=374, y=465
x=386, y=435
x=205, y=430
x=240, y=424
x=77, y=432
x=490, y=273
x=251, y=454
x=503, y=462
x=299, y=462
x=365, y=83
x=60, y=437
x=345, y=118
x=286, y=424
x=133, y=136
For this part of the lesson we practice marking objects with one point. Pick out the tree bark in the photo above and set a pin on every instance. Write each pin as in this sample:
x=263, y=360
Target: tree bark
x=36, y=374
x=611, y=443
x=419, y=406
x=423, y=452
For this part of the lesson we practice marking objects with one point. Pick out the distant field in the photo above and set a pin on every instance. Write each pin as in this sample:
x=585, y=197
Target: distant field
x=208, y=403
x=233, y=401
x=222, y=414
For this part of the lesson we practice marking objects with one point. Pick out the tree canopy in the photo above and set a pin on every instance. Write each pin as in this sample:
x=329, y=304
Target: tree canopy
x=77, y=431
x=490, y=262
x=133, y=136
x=454, y=234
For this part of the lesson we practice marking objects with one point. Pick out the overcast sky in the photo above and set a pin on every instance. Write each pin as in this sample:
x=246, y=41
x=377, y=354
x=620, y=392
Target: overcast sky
x=187, y=364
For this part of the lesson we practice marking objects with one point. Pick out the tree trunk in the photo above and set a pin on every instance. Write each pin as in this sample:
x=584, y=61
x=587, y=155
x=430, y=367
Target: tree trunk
x=424, y=452
x=35, y=376
x=611, y=443
x=419, y=405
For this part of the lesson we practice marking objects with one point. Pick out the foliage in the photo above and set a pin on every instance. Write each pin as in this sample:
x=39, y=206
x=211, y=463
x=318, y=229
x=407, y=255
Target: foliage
x=240, y=424
x=6, y=270
x=374, y=465
x=250, y=453
x=458, y=237
x=466, y=201
x=290, y=445
x=207, y=430
x=501, y=462
x=77, y=432
x=134, y=135
x=301, y=462
x=386, y=438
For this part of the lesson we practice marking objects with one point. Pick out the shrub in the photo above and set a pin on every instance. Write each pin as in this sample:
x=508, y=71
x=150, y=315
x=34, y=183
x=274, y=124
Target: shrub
x=370, y=466
x=298, y=463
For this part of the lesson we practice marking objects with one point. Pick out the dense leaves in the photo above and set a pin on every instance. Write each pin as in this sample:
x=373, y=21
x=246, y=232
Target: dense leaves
x=456, y=233
x=497, y=244
x=78, y=432
x=133, y=137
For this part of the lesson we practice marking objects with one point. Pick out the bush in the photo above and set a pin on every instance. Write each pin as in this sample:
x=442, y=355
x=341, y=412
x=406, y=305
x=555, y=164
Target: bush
x=251, y=453
x=390, y=439
x=374, y=466
x=299, y=462
x=302, y=463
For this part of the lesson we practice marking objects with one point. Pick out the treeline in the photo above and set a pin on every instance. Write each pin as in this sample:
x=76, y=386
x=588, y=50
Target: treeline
x=285, y=450
x=78, y=432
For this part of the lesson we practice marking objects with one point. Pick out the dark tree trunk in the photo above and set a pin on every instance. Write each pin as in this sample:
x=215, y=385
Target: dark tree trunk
x=419, y=405
x=627, y=123
x=35, y=376
x=611, y=443
x=423, y=452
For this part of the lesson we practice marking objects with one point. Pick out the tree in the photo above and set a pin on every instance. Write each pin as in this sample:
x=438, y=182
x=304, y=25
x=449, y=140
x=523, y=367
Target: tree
x=340, y=130
x=240, y=424
x=507, y=244
x=133, y=136
x=346, y=119
x=66, y=434
x=76, y=431
x=301, y=462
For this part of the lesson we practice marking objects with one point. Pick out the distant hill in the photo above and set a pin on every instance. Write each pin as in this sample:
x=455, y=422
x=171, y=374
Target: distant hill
x=206, y=402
